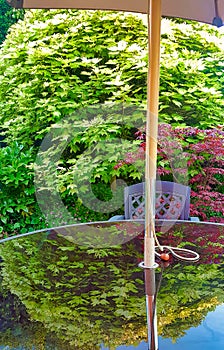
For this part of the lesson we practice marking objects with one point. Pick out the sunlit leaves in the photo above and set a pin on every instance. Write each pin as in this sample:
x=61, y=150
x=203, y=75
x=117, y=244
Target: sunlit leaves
x=68, y=59
x=56, y=62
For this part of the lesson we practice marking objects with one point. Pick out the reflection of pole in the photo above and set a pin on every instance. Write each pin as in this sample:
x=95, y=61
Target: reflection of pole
x=150, y=291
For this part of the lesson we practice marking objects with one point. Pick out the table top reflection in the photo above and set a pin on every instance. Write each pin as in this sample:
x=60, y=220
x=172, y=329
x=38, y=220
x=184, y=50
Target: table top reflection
x=81, y=287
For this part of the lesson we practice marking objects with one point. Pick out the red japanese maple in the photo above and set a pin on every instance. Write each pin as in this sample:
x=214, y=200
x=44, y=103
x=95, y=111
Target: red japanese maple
x=193, y=156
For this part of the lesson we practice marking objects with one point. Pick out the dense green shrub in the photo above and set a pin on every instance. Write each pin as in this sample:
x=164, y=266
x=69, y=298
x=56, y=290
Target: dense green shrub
x=8, y=16
x=18, y=207
x=58, y=62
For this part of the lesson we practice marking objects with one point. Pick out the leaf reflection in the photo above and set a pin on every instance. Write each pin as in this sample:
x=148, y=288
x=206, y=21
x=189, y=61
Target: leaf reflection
x=67, y=296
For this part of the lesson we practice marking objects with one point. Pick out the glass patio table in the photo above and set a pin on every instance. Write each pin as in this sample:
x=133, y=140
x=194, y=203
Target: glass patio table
x=81, y=287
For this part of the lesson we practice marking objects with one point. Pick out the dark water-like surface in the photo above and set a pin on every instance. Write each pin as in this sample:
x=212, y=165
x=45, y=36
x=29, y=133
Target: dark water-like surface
x=80, y=287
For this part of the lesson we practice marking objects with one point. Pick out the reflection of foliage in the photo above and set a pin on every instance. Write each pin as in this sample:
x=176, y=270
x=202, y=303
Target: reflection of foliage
x=31, y=336
x=9, y=309
x=88, y=296
x=189, y=294
x=206, y=239
x=70, y=281
x=16, y=328
x=175, y=326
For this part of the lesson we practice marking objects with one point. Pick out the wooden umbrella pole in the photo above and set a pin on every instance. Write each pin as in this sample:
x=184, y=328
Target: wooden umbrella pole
x=154, y=30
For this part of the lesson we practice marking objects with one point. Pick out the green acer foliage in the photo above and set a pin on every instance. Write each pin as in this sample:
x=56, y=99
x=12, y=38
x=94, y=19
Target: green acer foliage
x=19, y=211
x=61, y=63
x=56, y=61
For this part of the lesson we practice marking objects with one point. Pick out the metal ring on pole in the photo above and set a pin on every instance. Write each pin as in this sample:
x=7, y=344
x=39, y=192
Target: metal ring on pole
x=142, y=265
